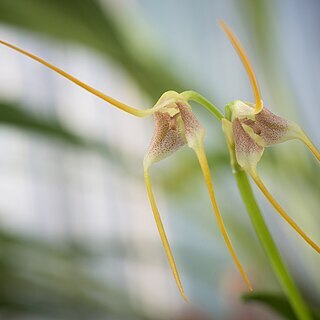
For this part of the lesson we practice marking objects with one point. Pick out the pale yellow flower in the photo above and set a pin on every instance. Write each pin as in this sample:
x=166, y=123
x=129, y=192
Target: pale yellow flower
x=252, y=127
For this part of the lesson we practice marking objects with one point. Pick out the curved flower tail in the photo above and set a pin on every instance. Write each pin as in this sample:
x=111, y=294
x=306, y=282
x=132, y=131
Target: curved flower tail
x=207, y=176
x=162, y=233
x=304, y=138
x=114, y=102
x=254, y=83
x=254, y=175
x=312, y=148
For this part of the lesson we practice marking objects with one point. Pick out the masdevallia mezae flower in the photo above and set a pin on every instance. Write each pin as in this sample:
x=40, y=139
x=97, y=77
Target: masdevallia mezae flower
x=251, y=127
x=175, y=126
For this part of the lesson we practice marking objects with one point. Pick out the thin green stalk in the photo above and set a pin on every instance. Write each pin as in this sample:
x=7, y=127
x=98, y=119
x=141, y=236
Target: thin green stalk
x=195, y=96
x=286, y=281
x=279, y=267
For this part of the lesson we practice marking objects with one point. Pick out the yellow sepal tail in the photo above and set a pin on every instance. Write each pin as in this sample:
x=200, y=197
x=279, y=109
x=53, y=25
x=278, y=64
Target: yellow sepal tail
x=304, y=138
x=284, y=215
x=114, y=102
x=207, y=176
x=162, y=234
x=254, y=83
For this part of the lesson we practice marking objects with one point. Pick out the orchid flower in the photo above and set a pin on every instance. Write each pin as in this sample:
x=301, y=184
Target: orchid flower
x=175, y=126
x=251, y=127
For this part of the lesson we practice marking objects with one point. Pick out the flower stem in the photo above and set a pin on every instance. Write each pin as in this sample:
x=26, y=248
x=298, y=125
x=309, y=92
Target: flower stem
x=269, y=245
x=195, y=96
x=280, y=269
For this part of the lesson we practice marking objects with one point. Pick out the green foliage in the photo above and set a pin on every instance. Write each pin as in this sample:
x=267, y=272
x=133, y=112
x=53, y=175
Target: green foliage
x=277, y=303
x=39, y=278
x=24, y=120
x=87, y=22
x=49, y=128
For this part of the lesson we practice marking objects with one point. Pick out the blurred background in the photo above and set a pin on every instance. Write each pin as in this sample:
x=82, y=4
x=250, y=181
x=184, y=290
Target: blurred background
x=77, y=236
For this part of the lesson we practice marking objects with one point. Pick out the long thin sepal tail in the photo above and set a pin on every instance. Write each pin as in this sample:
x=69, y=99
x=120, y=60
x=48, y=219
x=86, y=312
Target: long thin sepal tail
x=283, y=214
x=254, y=83
x=207, y=176
x=114, y=102
x=163, y=234
x=304, y=138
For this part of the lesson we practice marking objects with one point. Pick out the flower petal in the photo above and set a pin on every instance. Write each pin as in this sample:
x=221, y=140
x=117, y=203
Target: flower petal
x=298, y=133
x=267, y=129
x=162, y=234
x=275, y=204
x=167, y=138
x=207, y=176
x=194, y=132
x=254, y=83
x=248, y=152
x=114, y=102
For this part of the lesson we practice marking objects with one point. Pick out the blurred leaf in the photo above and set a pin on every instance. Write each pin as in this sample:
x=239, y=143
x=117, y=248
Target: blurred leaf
x=22, y=119
x=60, y=286
x=25, y=120
x=278, y=303
x=87, y=22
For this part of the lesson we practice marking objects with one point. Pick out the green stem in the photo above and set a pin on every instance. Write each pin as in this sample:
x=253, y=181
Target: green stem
x=286, y=281
x=269, y=246
x=195, y=96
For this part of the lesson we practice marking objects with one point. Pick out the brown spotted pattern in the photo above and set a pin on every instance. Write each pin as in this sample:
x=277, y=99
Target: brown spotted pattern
x=270, y=127
x=243, y=142
x=190, y=121
x=168, y=136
